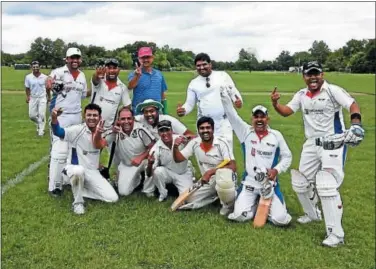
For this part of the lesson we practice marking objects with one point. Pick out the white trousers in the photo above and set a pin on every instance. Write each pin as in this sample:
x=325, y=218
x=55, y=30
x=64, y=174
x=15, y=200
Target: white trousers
x=224, y=130
x=37, y=112
x=247, y=201
x=129, y=177
x=163, y=176
x=91, y=185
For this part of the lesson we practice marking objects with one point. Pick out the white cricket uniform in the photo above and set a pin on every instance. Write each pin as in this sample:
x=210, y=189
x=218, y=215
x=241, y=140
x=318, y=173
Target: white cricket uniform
x=267, y=151
x=109, y=100
x=95, y=186
x=128, y=147
x=209, y=103
x=322, y=115
x=177, y=127
x=70, y=100
x=166, y=170
x=38, y=100
x=206, y=160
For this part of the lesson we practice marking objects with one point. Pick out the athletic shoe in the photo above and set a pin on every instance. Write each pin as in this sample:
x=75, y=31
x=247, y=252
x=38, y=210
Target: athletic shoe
x=149, y=194
x=333, y=241
x=162, y=198
x=306, y=219
x=226, y=210
x=56, y=193
x=79, y=209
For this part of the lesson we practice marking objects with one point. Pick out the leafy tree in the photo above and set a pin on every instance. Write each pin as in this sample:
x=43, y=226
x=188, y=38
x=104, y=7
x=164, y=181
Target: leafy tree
x=284, y=60
x=319, y=51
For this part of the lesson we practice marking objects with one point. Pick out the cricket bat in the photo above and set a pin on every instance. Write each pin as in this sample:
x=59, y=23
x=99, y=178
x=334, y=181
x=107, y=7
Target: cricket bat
x=186, y=194
x=262, y=212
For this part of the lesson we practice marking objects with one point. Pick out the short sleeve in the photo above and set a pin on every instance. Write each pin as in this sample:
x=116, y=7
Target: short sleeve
x=164, y=85
x=27, y=82
x=225, y=150
x=342, y=97
x=72, y=132
x=294, y=104
x=187, y=151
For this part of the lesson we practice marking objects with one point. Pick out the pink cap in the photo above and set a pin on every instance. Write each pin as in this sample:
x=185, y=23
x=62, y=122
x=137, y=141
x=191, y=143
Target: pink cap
x=145, y=51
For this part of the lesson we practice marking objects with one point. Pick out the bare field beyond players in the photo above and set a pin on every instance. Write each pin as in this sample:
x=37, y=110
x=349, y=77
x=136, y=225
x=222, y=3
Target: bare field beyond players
x=136, y=232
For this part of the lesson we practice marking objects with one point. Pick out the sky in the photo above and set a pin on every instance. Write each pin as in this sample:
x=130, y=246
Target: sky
x=220, y=29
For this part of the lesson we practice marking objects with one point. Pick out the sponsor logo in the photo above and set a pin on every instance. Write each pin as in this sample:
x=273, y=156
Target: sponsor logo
x=253, y=152
x=264, y=153
x=322, y=99
x=254, y=142
x=86, y=152
x=249, y=188
x=270, y=145
x=333, y=155
x=314, y=111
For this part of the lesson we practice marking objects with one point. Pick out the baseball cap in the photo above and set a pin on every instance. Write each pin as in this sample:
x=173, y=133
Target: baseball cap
x=164, y=124
x=34, y=62
x=73, y=51
x=145, y=51
x=314, y=65
x=259, y=108
x=148, y=102
x=111, y=61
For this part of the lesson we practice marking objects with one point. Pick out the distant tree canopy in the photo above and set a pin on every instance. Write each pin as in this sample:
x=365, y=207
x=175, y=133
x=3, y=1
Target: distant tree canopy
x=357, y=55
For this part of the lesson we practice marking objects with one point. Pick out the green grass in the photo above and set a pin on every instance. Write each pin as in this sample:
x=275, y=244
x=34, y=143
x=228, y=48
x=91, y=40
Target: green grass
x=41, y=232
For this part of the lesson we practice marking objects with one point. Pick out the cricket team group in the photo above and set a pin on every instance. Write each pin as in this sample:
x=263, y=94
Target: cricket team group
x=150, y=149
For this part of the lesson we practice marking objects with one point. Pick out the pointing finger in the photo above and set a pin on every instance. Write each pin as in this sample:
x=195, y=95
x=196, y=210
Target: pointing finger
x=275, y=89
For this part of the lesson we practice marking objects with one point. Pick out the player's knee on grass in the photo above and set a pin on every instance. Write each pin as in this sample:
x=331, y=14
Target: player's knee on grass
x=225, y=185
x=241, y=216
x=281, y=218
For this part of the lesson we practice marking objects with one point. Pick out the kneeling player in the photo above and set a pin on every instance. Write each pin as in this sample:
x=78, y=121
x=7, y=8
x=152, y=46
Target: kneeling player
x=84, y=176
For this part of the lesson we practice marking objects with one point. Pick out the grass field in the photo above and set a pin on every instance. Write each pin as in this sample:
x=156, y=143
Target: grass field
x=41, y=232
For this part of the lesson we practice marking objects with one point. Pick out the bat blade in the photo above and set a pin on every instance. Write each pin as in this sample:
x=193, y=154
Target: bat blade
x=186, y=194
x=262, y=213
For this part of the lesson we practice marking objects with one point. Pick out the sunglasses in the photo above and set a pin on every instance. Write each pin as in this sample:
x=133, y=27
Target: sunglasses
x=207, y=82
x=34, y=62
x=111, y=61
x=164, y=129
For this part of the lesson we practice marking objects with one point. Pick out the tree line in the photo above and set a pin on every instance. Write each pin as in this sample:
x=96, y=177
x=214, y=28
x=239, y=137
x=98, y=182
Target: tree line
x=357, y=56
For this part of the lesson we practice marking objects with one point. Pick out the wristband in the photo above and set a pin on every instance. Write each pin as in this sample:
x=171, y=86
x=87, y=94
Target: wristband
x=356, y=116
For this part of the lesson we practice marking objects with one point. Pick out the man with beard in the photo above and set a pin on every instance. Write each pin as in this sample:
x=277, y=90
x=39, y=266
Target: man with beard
x=68, y=84
x=161, y=164
x=209, y=151
x=151, y=117
x=146, y=81
x=265, y=150
x=320, y=168
x=85, y=178
x=109, y=92
x=35, y=84
x=133, y=142
x=204, y=91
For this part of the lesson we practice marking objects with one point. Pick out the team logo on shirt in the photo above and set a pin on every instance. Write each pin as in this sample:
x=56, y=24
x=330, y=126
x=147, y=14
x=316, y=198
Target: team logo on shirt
x=253, y=152
x=134, y=134
x=249, y=188
x=254, y=142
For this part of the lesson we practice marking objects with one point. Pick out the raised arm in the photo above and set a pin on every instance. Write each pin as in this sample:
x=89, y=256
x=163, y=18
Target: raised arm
x=282, y=110
x=98, y=141
x=56, y=129
x=178, y=156
x=134, y=77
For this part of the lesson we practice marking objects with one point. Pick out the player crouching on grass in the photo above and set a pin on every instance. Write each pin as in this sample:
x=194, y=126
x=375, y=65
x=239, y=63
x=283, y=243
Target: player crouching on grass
x=262, y=148
x=84, y=176
x=133, y=142
x=161, y=164
x=210, y=151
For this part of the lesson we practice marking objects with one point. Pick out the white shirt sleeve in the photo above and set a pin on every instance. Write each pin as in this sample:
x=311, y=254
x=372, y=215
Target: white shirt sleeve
x=84, y=91
x=72, y=132
x=229, y=83
x=177, y=127
x=240, y=128
x=342, y=97
x=285, y=154
x=190, y=101
x=187, y=151
x=225, y=150
x=27, y=82
x=125, y=96
x=294, y=104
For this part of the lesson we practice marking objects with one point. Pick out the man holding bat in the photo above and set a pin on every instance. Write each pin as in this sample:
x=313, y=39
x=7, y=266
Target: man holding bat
x=321, y=170
x=267, y=154
x=146, y=81
x=209, y=151
x=84, y=177
x=161, y=164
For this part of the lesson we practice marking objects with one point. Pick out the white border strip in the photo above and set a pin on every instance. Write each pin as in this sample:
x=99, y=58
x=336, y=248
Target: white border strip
x=20, y=177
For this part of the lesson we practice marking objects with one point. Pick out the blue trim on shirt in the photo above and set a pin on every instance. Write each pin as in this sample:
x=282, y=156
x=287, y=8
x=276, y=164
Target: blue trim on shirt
x=337, y=124
x=74, y=159
x=53, y=101
x=277, y=190
x=57, y=130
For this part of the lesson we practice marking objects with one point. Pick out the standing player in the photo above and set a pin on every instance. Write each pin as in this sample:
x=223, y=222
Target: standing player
x=161, y=164
x=146, y=81
x=35, y=84
x=204, y=91
x=210, y=151
x=68, y=84
x=151, y=117
x=84, y=177
x=264, y=149
x=109, y=92
x=321, y=104
x=133, y=142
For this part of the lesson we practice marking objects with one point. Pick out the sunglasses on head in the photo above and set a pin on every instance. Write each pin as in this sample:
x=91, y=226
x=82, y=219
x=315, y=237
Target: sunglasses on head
x=111, y=61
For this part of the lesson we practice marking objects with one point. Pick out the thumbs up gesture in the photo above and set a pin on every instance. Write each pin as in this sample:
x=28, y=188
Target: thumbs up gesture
x=238, y=102
x=180, y=110
x=275, y=96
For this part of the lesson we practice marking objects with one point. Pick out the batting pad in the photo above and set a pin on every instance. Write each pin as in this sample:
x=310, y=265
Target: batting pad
x=225, y=185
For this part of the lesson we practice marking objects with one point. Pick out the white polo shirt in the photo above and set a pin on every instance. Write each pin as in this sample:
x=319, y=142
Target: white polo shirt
x=177, y=127
x=128, y=147
x=164, y=157
x=322, y=113
x=37, y=85
x=109, y=100
x=73, y=92
x=208, y=160
x=81, y=138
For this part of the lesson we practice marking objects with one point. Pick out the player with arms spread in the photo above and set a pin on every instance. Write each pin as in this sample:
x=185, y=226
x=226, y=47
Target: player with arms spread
x=321, y=170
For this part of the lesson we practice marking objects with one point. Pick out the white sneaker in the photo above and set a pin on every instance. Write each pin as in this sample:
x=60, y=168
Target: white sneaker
x=149, y=194
x=333, y=241
x=79, y=209
x=226, y=210
x=40, y=133
x=162, y=198
x=306, y=219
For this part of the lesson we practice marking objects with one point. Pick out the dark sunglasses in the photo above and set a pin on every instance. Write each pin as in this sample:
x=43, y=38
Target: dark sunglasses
x=207, y=82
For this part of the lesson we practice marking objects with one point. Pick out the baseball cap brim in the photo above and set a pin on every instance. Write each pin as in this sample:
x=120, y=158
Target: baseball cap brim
x=140, y=107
